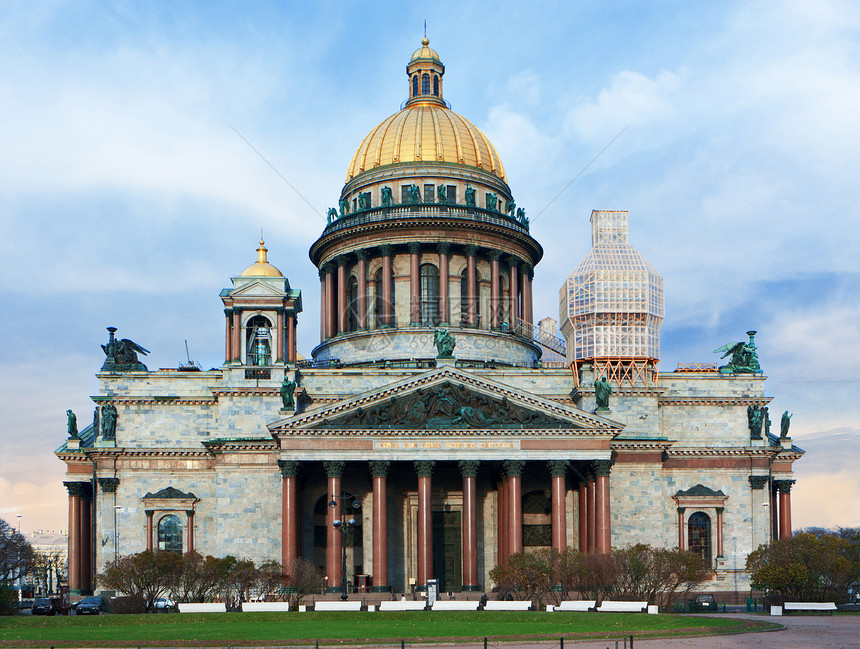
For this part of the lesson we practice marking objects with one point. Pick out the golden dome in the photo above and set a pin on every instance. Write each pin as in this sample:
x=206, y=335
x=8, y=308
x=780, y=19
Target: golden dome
x=261, y=268
x=425, y=52
x=429, y=133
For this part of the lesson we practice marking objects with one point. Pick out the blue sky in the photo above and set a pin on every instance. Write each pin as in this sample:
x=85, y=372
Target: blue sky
x=129, y=200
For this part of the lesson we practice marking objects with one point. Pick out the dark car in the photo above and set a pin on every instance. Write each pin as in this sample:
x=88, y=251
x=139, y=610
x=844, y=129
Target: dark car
x=93, y=605
x=46, y=606
x=704, y=602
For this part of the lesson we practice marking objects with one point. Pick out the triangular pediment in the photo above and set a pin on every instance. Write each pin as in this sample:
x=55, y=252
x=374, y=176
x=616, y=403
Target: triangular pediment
x=259, y=288
x=446, y=399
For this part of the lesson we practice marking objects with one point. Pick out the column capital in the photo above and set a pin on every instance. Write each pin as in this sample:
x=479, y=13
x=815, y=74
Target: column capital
x=289, y=468
x=386, y=249
x=681, y=510
x=469, y=468
x=149, y=512
x=514, y=468
x=528, y=270
x=443, y=247
x=720, y=510
x=327, y=268
x=784, y=486
x=602, y=467
x=333, y=468
x=189, y=513
x=513, y=262
x=424, y=468
x=361, y=254
x=228, y=311
x=471, y=250
x=495, y=255
x=80, y=489
x=341, y=260
x=558, y=467
x=758, y=481
x=108, y=485
x=379, y=468
x=414, y=247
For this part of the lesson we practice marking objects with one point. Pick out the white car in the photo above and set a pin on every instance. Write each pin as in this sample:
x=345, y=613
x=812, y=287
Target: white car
x=164, y=604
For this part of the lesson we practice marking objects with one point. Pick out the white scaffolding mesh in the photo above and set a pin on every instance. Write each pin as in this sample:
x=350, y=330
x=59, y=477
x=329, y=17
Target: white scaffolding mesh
x=612, y=304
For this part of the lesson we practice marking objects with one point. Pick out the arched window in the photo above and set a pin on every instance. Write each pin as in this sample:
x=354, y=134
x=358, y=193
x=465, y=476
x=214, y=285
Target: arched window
x=352, y=305
x=699, y=536
x=464, y=298
x=429, y=295
x=537, y=521
x=415, y=86
x=436, y=85
x=425, y=84
x=170, y=534
x=259, y=341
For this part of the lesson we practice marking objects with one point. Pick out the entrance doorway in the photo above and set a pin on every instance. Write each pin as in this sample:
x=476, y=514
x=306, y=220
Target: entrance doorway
x=447, y=555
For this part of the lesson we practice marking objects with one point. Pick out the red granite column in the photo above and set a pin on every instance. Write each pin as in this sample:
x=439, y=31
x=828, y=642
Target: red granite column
x=558, y=471
x=720, y=531
x=291, y=337
x=514, y=469
x=495, y=291
x=592, y=518
x=74, y=536
x=361, y=300
x=414, y=287
x=149, y=514
x=237, y=336
x=86, y=538
x=784, y=487
x=342, y=312
x=471, y=286
x=527, y=294
x=379, y=473
x=604, y=521
x=469, y=471
x=582, y=497
x=387, y=305
x=424, y=469
x=189, y=522
x=502, y=516
x=444, y=284
x=289, y=513
x=228, y=336
x=514, y=298
x=323, y=316
x=330, y=311
x=333, y=469
x=279, y=340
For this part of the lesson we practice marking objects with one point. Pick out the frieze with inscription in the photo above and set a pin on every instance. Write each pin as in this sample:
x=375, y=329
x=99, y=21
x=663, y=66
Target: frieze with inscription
x=444, y=407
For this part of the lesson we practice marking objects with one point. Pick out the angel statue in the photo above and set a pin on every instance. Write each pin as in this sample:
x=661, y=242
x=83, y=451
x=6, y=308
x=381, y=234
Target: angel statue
x=744, y=357
x=121, y=355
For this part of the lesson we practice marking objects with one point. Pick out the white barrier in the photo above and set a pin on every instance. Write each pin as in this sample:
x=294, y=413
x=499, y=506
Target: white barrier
x=500, y=605
x=402, y=605
x=337, y=606
x=576, y=605
x=194, y=607
x=456, y=605
x=254, y=607
x=622, y=607
x=776, y=610
x=809, y=606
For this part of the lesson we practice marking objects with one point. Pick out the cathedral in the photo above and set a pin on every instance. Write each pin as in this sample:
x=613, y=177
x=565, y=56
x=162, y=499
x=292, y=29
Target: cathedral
x=437, y=428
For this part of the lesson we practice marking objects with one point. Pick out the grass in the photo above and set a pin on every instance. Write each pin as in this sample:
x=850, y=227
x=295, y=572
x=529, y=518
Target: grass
x=258, y=629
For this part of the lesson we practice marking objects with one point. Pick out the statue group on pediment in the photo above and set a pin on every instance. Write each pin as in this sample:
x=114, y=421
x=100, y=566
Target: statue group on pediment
x=744, y=357
x=448, y=406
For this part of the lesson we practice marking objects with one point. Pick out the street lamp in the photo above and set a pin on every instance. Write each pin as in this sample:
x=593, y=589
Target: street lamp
x=342, y=526
x=18, y=560
x=116, y=509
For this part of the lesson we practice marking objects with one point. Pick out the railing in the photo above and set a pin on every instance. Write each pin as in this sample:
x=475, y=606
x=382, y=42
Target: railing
x=538, y=335
x=424, y=210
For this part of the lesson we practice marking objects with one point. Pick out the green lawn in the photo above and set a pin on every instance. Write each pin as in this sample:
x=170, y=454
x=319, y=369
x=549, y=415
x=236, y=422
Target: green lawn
x=332, y=628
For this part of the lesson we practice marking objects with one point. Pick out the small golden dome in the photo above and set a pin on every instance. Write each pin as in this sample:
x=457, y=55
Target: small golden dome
x=427, y=133
x=425, y=52
x=261, y=268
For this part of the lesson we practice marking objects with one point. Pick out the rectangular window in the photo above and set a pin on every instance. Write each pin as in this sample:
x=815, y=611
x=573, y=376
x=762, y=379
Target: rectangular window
x=452, y=194
x=429, y=193
x=404, y=194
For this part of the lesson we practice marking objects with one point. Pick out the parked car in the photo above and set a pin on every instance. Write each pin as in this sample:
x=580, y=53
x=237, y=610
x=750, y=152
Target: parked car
x=93, y=605
x=46, y=606
x=703, y=602
x=164, y=604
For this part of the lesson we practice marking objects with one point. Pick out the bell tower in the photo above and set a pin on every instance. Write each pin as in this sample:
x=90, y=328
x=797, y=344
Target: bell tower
x=261, y=312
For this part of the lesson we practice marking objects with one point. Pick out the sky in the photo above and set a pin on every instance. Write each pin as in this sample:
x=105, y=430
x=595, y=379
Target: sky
x=144, y=145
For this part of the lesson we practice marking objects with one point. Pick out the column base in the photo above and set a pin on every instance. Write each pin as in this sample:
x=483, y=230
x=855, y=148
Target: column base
x=470, y=589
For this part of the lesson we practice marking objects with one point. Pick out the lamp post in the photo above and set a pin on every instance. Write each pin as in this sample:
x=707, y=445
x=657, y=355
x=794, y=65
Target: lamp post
x=18, y=560
x=116, y=509
x=342, y=527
